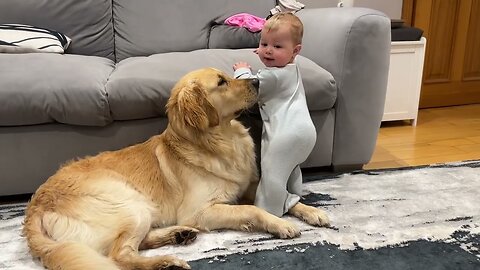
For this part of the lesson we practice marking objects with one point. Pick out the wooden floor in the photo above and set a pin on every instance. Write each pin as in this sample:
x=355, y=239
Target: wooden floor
x=442, y=135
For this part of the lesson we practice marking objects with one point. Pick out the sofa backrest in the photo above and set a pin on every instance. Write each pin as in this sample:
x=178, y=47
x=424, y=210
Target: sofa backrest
x=87, y=22
x=145, y=27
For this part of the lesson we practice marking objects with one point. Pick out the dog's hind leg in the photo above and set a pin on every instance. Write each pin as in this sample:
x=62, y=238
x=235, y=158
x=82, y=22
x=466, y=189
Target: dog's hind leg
x=125, y=252
x=175, y=235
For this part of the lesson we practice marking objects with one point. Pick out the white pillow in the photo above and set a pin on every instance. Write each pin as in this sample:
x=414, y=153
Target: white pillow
x=21, y=38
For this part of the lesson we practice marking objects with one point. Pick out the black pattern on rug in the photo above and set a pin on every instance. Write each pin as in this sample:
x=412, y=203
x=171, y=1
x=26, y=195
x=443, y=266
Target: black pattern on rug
x=425, y=217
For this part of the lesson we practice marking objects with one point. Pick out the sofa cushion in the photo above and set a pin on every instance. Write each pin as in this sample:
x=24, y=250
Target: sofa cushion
x=140, y=86
x=39, y=88
x=232, y=37
x=88, y=22
x=148, y=27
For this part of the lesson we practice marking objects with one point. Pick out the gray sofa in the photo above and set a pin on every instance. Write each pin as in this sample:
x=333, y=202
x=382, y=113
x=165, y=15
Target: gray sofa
x=109, y=89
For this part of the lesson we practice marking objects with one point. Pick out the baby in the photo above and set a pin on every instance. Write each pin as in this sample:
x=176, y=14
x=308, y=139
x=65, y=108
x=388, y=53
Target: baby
x=288, y=134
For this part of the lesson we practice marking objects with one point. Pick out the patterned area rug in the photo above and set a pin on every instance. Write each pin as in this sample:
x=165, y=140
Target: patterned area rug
x=410, y=218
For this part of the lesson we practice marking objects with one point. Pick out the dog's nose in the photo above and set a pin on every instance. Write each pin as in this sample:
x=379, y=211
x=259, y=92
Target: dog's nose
x=255, y=83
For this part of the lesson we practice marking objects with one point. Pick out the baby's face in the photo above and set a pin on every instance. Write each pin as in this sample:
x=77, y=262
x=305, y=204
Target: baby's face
x=276, y=48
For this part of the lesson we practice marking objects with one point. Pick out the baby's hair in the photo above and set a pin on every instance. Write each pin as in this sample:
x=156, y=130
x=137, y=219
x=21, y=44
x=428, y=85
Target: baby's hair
x=286, y=18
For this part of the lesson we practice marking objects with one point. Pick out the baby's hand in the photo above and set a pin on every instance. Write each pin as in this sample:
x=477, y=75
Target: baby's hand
x=241, y=65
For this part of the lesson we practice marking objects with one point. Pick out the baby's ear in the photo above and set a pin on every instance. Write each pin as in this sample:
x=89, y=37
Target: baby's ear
x=297, y=49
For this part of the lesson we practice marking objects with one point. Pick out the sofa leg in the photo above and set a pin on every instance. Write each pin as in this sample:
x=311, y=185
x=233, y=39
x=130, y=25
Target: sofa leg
x=347, y=168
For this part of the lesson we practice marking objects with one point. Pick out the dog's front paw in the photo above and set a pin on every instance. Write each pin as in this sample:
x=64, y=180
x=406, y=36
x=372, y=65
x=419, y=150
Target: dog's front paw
x=316, y=217
x=310, y=215
x=283, y=229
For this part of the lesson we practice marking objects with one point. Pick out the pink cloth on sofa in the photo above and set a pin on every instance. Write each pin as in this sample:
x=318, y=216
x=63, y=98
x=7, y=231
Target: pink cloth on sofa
x=249, y=21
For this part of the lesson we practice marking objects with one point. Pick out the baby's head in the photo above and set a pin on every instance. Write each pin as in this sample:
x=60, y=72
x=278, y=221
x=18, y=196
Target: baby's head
x=281, y=40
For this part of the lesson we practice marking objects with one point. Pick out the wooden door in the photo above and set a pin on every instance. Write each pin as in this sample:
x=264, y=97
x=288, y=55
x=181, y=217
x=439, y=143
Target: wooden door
x=452, y=62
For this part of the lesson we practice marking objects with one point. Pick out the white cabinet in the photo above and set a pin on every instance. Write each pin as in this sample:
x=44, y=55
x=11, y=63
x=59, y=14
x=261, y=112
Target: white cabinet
x=404, y=80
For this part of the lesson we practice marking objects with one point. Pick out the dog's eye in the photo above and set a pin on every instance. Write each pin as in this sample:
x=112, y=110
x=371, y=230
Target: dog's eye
x=222, y=81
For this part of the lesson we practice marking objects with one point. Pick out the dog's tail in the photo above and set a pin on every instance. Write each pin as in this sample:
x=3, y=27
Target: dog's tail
x=61, y=255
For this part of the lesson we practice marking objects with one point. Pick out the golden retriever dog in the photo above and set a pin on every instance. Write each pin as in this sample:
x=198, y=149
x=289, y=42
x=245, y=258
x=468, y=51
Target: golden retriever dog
x=97, y=212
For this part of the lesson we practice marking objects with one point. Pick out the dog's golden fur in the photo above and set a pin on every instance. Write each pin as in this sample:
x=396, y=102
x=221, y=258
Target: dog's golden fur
x=97, y=212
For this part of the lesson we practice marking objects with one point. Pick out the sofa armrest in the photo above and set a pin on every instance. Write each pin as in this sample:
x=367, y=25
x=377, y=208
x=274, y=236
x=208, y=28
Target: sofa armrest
x=354, y=45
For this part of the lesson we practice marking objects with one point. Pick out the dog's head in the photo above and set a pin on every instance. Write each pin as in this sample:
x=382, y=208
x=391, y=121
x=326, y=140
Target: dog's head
x=208, y=97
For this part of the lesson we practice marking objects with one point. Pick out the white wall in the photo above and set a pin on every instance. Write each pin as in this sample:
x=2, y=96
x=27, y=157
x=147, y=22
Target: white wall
x=393, y=8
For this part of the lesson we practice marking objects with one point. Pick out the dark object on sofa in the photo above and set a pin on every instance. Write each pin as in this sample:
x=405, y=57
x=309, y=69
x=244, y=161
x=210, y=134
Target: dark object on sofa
x=406, y=33
x=109, y=89
x=402, y=32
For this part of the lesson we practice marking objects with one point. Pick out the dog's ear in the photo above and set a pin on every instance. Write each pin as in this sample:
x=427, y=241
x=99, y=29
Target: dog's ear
x=194, y=107
x=212, y=114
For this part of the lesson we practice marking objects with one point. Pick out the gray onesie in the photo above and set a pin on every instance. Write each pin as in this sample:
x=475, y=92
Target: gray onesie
x=288, y=136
